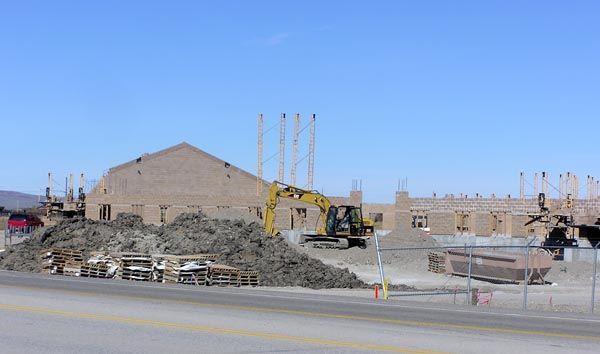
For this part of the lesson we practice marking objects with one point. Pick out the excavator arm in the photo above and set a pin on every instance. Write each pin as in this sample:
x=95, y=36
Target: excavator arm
x=280, y=190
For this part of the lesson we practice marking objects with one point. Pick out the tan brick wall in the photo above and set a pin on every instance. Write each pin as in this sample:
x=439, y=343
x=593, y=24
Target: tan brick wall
x=442, y=214
x=175, y=211
x=91, y=211
x=151, y=214
x=403, y=215
x=441, y=223
x=184, y=170
x=481, y=224
x=186, y=179
x=388, y=211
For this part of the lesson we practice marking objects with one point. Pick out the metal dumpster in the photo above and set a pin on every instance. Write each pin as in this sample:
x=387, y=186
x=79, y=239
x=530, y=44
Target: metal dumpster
x=499, y=267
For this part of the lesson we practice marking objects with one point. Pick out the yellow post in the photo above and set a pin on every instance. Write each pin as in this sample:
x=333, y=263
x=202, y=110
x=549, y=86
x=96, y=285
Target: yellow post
x=385, y=288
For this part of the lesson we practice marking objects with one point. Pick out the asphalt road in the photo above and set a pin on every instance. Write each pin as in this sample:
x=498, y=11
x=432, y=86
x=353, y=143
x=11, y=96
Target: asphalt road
x=54, y=314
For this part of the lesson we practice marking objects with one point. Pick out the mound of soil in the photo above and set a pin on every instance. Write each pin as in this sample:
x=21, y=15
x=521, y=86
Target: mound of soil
x=240, y=244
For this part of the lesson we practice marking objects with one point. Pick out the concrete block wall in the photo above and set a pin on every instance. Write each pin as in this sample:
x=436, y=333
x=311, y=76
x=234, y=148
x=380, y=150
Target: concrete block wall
x=179, y=170
x=387, y=210
x=403, y=216
x=443, y=214
x=441, y=222
x=482, y=224
x=241, y=206
x=186, y=179
x=517, y=223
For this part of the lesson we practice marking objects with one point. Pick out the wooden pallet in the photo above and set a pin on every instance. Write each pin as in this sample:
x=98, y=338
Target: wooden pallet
x=176, y=272
x=72, y=268
x=158, y=269
x=222, y=275
x=100, y=257
x=248, y=278
x=212, y=257
x=436, y=262
x=95, y=271
x=137, y=274
x=135, y=266
x=61, y=261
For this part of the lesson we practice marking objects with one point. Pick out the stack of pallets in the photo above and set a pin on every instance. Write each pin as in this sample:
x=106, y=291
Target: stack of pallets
x=222, y=275
x=248, y=278
x=100, y=265
x=72, y=268
x=437, y=262
x=90, y=270
x=189, y=269
x=61, y=261
x=158, y=268
x=135, y=266
x=100, y=257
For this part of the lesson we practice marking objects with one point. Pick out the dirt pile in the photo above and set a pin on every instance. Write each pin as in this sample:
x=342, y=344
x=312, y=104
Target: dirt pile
x=414, y=260
x=240, y=244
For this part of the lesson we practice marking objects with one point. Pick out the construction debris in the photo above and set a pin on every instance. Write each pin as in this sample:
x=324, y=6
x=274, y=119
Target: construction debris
x=238, y=244
x=135, y=266
x=61, y=261
x=191, y=269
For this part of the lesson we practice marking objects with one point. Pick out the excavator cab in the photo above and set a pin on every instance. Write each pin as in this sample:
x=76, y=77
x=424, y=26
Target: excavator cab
x=345, y=220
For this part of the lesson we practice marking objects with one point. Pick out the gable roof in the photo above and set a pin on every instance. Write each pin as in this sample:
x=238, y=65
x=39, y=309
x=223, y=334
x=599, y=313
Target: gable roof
x=182, y=145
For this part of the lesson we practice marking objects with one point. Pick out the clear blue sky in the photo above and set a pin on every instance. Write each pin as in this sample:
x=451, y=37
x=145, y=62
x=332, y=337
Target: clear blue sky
x=456, y=96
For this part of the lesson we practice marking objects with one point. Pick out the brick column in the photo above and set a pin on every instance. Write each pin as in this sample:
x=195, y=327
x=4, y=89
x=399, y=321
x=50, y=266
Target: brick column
x=355, y=198
x=403, y=214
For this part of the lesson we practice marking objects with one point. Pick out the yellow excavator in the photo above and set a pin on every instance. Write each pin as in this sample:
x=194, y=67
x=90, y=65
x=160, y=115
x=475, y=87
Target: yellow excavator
x=338, y=226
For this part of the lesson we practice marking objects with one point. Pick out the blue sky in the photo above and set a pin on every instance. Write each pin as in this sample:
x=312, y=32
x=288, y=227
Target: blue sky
x=455, y=96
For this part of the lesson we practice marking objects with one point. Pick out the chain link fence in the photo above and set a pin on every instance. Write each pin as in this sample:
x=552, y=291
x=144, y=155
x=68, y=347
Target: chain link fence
x=14, y=235
x=509, y=276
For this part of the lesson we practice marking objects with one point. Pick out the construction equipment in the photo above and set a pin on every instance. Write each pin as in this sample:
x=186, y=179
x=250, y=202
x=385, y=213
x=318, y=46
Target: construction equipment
x=369, y=225
x=338, y=226
x=558, y=226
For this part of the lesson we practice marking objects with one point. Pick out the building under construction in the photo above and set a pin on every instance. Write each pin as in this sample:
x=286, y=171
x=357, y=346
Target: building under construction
x=161, y=185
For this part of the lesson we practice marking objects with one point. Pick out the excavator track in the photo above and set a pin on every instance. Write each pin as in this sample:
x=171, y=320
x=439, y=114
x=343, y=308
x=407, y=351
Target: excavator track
x=328, y=242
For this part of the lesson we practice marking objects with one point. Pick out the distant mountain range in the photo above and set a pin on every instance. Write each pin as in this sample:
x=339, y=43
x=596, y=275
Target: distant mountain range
x=14, y=200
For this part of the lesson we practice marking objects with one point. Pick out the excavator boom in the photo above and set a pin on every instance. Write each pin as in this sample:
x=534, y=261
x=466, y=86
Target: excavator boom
x=331, y=232
x=279, y=190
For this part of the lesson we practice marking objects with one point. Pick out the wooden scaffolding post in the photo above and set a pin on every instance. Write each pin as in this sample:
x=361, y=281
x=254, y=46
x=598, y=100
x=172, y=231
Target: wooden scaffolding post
x=49, y=188
x=311, y=152
x=70, y=190
x=259, y=174
x=295, y=149
x=521, y=186
x=281, y=175
x=545, y=184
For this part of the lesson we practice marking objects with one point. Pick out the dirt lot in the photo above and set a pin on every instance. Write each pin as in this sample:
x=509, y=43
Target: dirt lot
x=298, y=268
x=568, y=288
